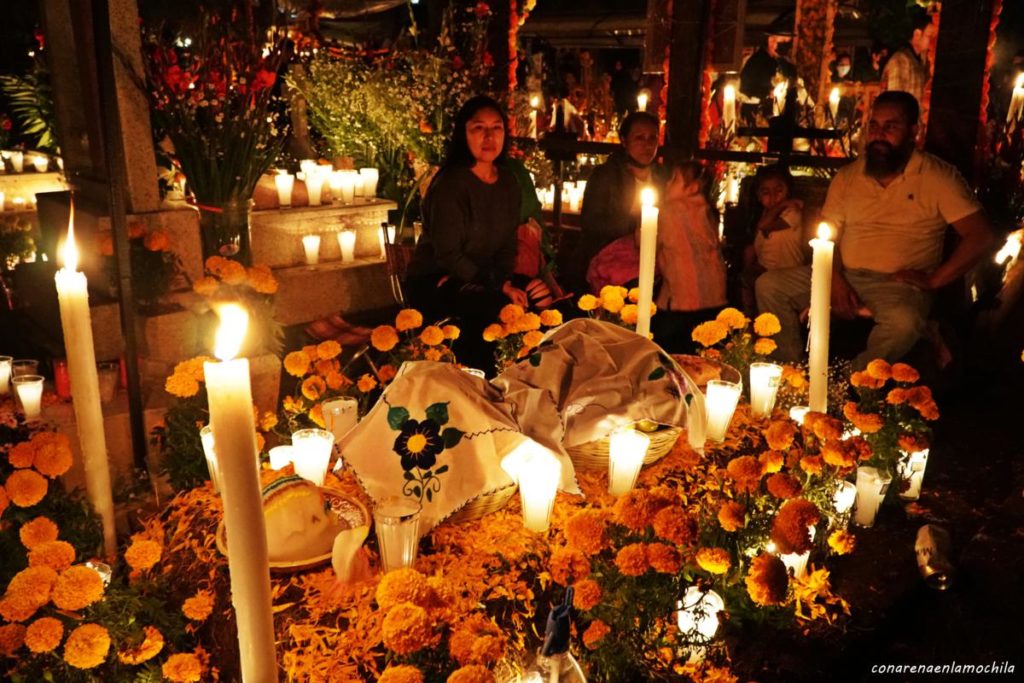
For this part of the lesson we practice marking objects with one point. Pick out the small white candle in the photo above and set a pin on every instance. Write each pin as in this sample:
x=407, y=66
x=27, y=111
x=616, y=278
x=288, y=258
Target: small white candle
x=798, y=413
x=648, y=248
x=732, y=195
x=871, y=487
x=311, y=245
x=534, y=106
x=41, y=163
x=18, y=161
x=5, y=375
x=729, y=106
x=280, y=456
x=797, y=562
x=234, y=432
x=385, y=239
x=347, y=243
x=358, y=188
x=1016, y=101
x=820, y=317
x=697, y=618
x=720, y=402
x=833, y=104
x=779, y=98
x=311, y=452
x=29, y=389
x=538, y=473
x=912, y=467
x=641, y=101
x=341, y=415
x=73, y=295
x=285, y=183
x=210, y=451
x=626, y=451
x=2, y=207
x=370, y=178
x=347, y=180
x=314, y=180
x=764, y=385
x=844, y=497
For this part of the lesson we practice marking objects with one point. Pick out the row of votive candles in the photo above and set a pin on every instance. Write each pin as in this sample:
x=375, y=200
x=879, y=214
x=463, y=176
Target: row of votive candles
x=347, y=242
x=572, y=195
x=40, y=162
x=310, y=449
x=345, y=185
x=17, y=203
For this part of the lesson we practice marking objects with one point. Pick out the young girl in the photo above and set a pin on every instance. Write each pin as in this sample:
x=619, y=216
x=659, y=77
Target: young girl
x=689, y=258
x=778, y=242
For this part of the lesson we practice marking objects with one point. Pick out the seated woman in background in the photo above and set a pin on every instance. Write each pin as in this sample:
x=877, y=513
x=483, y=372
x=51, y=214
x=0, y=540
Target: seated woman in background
x=778, y=241
x=689, y=258
x=464, y=260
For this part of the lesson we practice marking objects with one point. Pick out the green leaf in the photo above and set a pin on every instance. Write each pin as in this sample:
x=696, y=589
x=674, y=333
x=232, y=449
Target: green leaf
x=430, y=495
x=441, y=470
x=534, y=359
x=452, y=437
x=427, y=475
x=397, y=417
x=408, y=476
x=416, y=492
x=438, y=412
x=657, y=373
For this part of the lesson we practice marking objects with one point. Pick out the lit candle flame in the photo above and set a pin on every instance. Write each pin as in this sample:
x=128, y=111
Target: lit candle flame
x=1020, y=81
x=833, y=97
x=647, y=196
x=535, y=102
x=779, y=92
x=641, y=101
x=730, y=92
x=234, y=321
x=824, y=231
x=69, y=252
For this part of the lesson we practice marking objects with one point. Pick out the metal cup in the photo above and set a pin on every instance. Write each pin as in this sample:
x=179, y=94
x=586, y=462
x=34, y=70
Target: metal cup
x=933, y=548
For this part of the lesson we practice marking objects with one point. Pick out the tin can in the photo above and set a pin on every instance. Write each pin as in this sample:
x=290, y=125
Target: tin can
x=933, y=549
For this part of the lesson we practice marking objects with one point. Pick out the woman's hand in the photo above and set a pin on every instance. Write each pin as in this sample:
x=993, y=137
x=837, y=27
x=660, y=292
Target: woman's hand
x=514, y=294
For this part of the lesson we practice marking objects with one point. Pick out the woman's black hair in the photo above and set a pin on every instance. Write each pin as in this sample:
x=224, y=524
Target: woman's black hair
x=776, y=171
x=457, y=153
x=633, y=119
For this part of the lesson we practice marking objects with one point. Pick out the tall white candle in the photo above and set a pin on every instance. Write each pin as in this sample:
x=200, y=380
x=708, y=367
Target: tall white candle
x=626, y=451
x=648, y=248
x=18, y=161
x=833, y=104
x=311, y=245
x=73, y=295
x=821, y=293
x=234, y=433
x=285, y=182
x=732, y=195
x=764, y=385
x=347, y=244
x=538, y=473
x=729, y=106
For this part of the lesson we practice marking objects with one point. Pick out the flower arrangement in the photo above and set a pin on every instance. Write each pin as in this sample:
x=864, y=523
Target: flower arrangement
x=613, y=304
x=518, y=332
x=254, y=287
x=740, y=346
x=154, y=265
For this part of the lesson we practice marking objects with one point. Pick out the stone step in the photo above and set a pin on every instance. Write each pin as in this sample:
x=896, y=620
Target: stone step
x=307, y=293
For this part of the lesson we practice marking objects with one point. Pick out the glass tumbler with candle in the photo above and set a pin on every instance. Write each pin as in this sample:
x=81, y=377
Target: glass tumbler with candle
x=720, y=402
x=24, y=367
x=397, y=521
x=311, y=453
x=5, y=374
x=30, y=394
x=206, y=436
x=109, y=375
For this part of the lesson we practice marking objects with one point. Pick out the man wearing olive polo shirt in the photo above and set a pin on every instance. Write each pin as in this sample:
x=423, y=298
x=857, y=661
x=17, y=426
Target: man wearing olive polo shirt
x=890, y=207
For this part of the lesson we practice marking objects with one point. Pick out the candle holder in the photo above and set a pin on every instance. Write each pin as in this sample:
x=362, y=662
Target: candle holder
x=798, y=413
x=5, y=375
x=311, y=452
x=280, y=457
x=311, y=247
x=29, y=389
x=341, y=415
x=911, y=468
x=2, y=195
x=764, y=386
x=796, y=563
x=206, y=436
x=285, y=183
x=24, y=366
x=386, y=236
x=41, y=163
x=538, y=473
x=697, y=619
x=626, y=451
x=397, y=522
x=17, y=161
x=721, y=400
x=370, y=178
x=109, y=376
x=872, y=485
x=347, y=244
x=844, y=498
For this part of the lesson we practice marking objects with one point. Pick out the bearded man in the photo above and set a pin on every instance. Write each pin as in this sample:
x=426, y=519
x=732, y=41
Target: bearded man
x=890, y=208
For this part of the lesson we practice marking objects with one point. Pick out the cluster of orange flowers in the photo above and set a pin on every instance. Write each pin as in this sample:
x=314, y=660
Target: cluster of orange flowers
x=225, y=272
x=46, y=455
x=319, y=368
x=614, y=304
x=518, y=332
x=152, y=240
x=406, y=341
x=187, y=378
x=730, y=326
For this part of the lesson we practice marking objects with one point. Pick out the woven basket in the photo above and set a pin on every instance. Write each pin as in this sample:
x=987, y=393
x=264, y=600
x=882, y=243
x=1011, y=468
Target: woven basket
x=483, y=505
x=593, y=455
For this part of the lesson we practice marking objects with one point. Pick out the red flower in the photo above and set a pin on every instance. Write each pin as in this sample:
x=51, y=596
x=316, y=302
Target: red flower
x=264, y=79
x=177, y=81
x=6, y=125
x=457, y=63
x=481, y=10
x=488, y=60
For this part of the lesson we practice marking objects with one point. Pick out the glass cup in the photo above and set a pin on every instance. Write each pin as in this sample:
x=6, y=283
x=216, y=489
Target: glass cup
x=872, y=485
x=311, y=452
x=24, y=366
x=109, y=376
x=206, y=436
x=5, y=375
x=397, y=521
x=721, y=398
x=30, y=394
x=341, y=415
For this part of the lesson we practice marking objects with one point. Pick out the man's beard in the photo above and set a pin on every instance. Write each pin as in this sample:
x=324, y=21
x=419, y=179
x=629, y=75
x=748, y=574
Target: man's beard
x=884, y=160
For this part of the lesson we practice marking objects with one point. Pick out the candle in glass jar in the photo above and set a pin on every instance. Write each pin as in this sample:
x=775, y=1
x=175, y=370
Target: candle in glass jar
x=764, y=385
x=5, y=374
x=538, y=473
x=370, y=177
x=347, y=244
x=720, y=403
x=285, y=182
x=311, y=246
x=833, y=104
x=626, y=451
x=729, y=106
x=820, y=317
x=648, y=249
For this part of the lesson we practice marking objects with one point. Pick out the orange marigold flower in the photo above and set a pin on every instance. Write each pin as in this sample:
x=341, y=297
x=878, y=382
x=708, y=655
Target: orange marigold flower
x=44, y=635
x=746, y=471
x=784, y=486
x=612, y=302
x=474, y=673
x=732, y=516
x=772, y=461
x=26, y=487
x=629, y=314
x=157, y=240
x=811, y=464
x=838, y=454
x=765, y=346
x=790, y=527
x=595, y=633
x=584, y=531
x=386, y=373
x=551, y=317
x=526, y=323
x=533, y=338
x=182, y=386
x=407, y=629
x=384, y=337
x=53, y=458
x=22, y=455
x=767, y=580
x=714, y=560
x=316, y=414
x=911, y=443
x=663, y=558
x=863, y=380
x=39, y=530
x=401, y=673
x=568, y=564
x=633, y=294
x=402, y=585
x=57, y=555
x=199, y=606
x=77, y=587
x=326, y=350
x=262, y=279
x=879, y=369
x=779, y=434
x=901, y=372
x=709, y=333
x=87, y=646
x=631, y=560
x=451, y=332
x=868, y=423
x=4, y=500
x=476, y=640
x=860, y=447
x=183, y=667
x=510, y=313
x=636, y=509
x=296, y=363
x=432, y=335
x=233, y=273
x=766, y=325
x=28, y=590
x=588, y=302
x=732, y=318
x=794, y=377
x=494, y=332
x=12, y=636
x=897, y=396
x=674, y=525
x=206, y=286
x=143, y=554
x=366, y=383
x=842, y=542
x=152, y=644
x=587, y=594
x=823, y=426
x=313, y=387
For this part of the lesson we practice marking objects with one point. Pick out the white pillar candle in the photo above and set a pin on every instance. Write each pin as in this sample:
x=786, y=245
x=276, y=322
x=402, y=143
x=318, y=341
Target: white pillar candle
x=358, y=187
x=311, y=453
x=912, y=468
x=18, y=161
x=285, y=183
x=641, y=101
x=538, y=473
x=534, y=106
x=721, y=400
x=5, y=375
x=347, y=179
x=347, y=243
x=626, y=451
x=41, y=163
x=764, y=385
x=732, y=195
x=370, y=178
x=311, y=245
x=29, y=389
x=341, y=415
x=871, y=487
x=833, y=104
x=797, y=562
x=73, y=295
x=1016, y=102
x=844, y=497
x=821, y=292
x=280, y=457
x=335, y=181
x=729, y=106
x=229, y=392
x=798, y=413
x=648, y=248
x=697, y=619
x=210, y=451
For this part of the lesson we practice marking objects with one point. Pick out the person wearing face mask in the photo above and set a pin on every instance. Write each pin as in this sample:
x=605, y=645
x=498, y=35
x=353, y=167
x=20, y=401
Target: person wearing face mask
x=611, y=201
x=890, y=207
x=908, y=68
x=841, y=70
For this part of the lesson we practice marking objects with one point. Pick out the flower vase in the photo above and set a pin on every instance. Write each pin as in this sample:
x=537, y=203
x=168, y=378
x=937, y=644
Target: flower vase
x=224, y=230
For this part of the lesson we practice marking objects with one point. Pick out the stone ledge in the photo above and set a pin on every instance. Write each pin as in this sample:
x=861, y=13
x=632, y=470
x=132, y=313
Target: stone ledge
x=307, y=293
